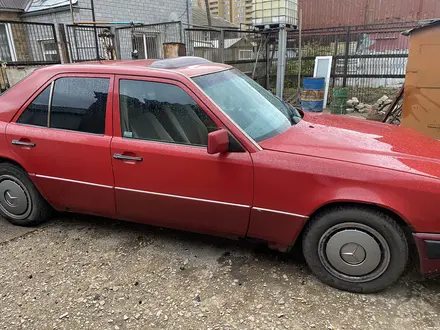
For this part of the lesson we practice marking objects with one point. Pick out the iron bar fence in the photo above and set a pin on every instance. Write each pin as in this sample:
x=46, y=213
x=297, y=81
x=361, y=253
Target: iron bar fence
x=81, y=41
x=23, y=43
x=147, y=39
x=368, y=60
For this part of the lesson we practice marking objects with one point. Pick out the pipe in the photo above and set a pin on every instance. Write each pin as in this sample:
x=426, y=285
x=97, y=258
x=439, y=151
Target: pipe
x=108, y=23
x=71, y=11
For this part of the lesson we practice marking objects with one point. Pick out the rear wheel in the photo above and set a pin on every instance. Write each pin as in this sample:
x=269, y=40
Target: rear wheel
x=20, y=202
x=355, y=249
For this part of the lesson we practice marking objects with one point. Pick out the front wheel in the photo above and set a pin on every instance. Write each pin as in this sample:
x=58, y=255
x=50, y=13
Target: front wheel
x=355, y=249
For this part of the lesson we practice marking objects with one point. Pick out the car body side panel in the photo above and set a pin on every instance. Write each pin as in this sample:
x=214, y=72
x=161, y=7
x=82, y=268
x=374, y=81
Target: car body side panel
x=300, y=185
x=181, y=186
x=72, y=169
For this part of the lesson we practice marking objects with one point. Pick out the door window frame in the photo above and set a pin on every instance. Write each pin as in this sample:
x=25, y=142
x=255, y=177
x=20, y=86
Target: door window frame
x=108, y=131
x=117, y=129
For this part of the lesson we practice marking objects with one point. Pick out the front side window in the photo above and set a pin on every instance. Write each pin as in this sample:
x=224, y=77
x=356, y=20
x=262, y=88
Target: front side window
x=162, y=112
x=254, y=109
x=78, y=104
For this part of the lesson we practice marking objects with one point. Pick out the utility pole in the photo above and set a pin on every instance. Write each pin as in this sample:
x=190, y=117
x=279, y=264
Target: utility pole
x=92, y=5
x=208, y=13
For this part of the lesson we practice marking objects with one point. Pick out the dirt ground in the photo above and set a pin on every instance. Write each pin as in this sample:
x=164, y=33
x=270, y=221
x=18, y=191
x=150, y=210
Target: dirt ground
x=79, y=272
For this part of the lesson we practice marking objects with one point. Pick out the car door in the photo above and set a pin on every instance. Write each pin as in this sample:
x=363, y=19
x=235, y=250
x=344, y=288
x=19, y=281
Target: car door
x=62, y=137
x=163, y=173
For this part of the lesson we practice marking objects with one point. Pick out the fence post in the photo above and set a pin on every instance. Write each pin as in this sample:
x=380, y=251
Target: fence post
x=64, y=55
x=117, y=42
x=181, y=32
x=335, y=61
x=267, y=61
x=347, y=52
x=222, y=46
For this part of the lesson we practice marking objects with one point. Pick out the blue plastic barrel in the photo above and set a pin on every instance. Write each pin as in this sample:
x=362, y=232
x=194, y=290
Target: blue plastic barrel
x=312, y=95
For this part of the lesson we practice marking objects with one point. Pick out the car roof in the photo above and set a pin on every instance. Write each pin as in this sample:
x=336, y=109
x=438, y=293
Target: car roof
x=188, y=66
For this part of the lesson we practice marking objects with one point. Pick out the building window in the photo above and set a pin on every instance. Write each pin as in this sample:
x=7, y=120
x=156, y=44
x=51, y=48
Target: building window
x=245, y=54
x=49, y=50
x=7, y=50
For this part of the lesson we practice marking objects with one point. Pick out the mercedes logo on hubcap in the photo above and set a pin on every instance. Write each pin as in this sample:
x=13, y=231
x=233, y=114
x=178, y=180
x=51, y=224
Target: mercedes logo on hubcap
x=353, y=253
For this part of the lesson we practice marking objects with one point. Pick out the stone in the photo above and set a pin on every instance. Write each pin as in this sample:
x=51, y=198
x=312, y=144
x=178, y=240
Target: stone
x=350, y=103
x=387, y=102
x=365, y=108
x=349, y=110
x=355, y=100
x=360, y=106
x=64, y=315
x=382, y=99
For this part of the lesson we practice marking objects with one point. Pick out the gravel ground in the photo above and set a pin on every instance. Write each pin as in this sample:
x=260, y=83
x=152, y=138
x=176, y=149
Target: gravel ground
x=79, y=272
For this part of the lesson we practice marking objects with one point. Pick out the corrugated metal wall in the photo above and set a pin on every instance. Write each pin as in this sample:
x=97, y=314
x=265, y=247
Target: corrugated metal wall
x=325, y=13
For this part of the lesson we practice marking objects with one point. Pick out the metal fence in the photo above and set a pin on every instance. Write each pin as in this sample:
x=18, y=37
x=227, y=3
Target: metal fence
x=87, y=43
x=245, y=50
x=23, y=43
x=146, y=39
x=369, y=60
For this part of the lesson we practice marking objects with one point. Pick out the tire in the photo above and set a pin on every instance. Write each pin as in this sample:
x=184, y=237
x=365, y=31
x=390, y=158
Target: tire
x=20, y=202
x=355, y=249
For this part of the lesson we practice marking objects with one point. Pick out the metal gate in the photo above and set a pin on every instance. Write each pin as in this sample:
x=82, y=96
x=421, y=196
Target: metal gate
x=88, y=43
x=145, y=41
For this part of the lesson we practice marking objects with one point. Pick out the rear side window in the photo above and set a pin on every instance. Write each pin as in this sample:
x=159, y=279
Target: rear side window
x=78, y=104
x=36, y=112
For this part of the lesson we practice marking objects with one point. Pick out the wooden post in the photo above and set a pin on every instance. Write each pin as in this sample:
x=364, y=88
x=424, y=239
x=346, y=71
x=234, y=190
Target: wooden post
x=64, y=54
x=208, y=13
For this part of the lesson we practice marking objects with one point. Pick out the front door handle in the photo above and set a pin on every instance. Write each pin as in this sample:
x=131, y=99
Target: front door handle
x=125, y=157
x=23, y=143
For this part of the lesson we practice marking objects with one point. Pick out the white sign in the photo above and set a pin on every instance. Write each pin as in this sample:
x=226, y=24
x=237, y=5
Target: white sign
x=323, y=68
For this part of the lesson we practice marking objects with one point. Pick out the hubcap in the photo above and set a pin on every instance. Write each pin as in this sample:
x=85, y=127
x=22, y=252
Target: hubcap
x=14, y=198
x=354, y=252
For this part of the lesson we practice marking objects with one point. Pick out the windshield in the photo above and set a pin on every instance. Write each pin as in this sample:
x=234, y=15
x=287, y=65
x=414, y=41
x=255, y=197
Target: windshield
x=257, y=111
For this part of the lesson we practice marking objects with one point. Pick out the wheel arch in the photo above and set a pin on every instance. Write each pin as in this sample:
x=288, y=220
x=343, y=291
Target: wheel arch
x=328, y=207
x=9, y=160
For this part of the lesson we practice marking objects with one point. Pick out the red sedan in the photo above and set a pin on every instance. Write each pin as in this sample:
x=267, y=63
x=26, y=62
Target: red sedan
x=189, y=144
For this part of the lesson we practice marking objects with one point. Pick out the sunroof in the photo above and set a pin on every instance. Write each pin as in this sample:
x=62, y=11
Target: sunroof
x=179, y=62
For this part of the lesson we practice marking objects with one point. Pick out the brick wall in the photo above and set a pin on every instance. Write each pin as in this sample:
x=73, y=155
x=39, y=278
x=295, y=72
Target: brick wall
x=9, y=16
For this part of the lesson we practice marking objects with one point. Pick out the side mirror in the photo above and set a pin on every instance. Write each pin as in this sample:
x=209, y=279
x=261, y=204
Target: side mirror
x=218, y=142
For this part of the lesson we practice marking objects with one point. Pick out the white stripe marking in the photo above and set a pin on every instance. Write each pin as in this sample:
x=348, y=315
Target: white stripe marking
x=281, y=212
x=73, y=181
x=182, y=197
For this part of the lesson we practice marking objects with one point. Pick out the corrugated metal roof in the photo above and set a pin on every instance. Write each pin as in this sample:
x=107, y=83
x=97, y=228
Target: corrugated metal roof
x=199, y=18
x=423, y=25
x=329, y=13
x=37, y=5
x=13, y=4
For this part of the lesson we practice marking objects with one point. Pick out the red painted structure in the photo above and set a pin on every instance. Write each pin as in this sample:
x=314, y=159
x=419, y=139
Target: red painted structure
x=267, y=192
x=329, y=13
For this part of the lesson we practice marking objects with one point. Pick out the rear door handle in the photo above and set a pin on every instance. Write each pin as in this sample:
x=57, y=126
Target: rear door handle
x=23, y=143
x=125, y=157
